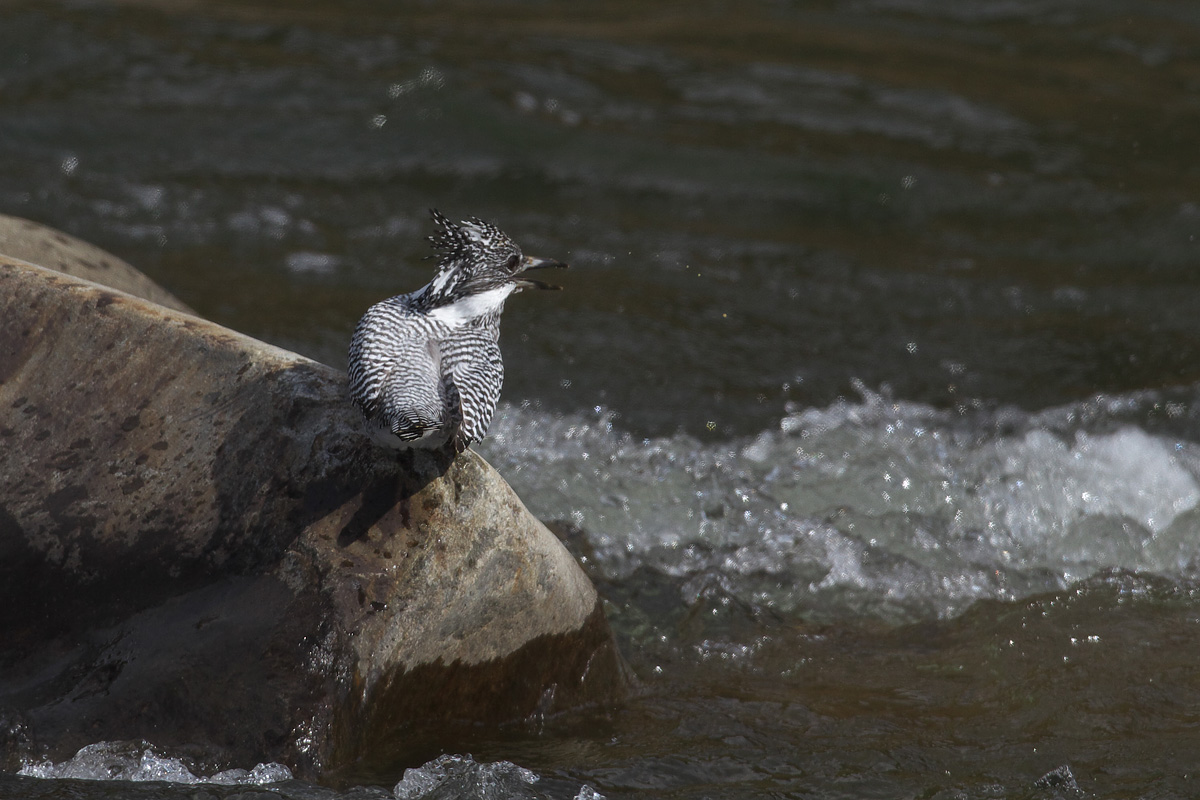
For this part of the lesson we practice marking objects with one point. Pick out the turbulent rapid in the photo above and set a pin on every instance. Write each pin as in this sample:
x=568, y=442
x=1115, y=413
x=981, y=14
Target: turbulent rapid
x=877, y=505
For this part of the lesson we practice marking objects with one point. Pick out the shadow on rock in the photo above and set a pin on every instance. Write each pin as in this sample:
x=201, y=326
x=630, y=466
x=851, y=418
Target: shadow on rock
x=415, y=470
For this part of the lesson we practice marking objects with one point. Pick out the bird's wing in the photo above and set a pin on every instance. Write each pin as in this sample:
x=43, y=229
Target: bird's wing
x=471, y=360
x=412, y=399
x=395, y=374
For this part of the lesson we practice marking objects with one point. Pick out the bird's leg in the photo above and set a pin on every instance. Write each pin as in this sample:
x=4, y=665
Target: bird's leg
x=457, y=442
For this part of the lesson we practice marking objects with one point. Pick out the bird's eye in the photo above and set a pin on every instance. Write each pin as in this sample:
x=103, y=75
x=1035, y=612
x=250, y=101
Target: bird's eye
x=513, y=262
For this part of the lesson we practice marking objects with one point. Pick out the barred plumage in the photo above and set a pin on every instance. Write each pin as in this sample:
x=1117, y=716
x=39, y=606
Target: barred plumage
x=425, y=367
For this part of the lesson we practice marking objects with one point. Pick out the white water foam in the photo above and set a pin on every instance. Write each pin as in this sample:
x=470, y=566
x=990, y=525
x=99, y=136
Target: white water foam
x=447, y=776
x=460, y=776
x=877, y=506
x=137, y=761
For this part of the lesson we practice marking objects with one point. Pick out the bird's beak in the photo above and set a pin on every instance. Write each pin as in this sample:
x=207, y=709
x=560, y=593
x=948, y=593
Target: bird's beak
x=542, y=263
x=538, y=263
x=528, y=283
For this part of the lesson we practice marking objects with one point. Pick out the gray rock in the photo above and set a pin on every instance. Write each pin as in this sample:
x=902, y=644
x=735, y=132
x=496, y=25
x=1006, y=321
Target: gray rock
x=198, y=547
x=46, y=247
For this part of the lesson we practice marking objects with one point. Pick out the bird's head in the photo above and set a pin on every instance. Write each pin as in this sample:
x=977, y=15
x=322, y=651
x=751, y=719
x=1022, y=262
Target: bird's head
x=475, y=256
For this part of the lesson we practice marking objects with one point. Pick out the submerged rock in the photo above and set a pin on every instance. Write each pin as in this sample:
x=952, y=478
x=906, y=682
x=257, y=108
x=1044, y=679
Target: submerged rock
x=199, y=548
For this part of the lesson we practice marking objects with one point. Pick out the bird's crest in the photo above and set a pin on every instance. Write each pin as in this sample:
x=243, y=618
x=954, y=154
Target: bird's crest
x=468, y=252
x=471, y=240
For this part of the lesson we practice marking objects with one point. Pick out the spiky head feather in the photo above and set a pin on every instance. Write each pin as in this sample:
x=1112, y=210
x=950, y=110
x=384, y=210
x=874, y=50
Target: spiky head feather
x=474, y=242
x=475, y=256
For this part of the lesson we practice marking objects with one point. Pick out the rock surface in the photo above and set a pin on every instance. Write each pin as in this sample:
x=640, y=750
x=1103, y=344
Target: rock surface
x=198, y=547
x=53, y=249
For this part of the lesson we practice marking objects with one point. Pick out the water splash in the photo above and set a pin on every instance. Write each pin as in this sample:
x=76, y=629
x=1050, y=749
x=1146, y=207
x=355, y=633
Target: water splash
x=454, y=776
x=875, y=506
x=138, y=762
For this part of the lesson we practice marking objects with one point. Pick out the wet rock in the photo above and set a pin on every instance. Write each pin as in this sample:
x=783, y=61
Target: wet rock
x=46, y=247
x=199, y=548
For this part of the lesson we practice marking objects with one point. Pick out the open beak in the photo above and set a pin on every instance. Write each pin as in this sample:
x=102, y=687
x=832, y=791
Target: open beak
x=539, y=263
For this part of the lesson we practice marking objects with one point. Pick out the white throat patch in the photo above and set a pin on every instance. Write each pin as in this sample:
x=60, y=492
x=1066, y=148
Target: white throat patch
x=460, y=312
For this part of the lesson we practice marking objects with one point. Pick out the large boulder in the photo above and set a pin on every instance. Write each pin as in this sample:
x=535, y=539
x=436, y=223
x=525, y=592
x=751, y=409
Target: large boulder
x=198, y=547
x=46, y=247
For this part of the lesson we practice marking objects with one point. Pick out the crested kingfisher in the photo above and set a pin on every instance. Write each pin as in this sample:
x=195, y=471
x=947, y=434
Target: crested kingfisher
x=425, y=367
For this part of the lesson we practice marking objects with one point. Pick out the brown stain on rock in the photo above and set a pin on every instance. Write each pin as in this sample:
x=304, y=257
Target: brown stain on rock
x=414, y=713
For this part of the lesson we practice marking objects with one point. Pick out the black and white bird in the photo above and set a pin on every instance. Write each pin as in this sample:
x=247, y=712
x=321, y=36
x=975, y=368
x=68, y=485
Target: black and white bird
x=425, y=367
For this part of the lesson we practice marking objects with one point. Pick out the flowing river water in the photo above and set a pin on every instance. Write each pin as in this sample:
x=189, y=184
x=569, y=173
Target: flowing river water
x=872, y=402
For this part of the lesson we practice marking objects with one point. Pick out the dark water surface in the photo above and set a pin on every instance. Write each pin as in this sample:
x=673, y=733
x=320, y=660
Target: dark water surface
x=873, y=400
